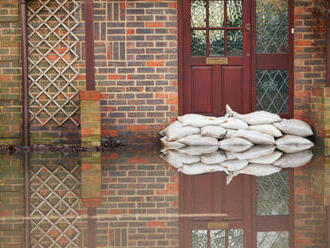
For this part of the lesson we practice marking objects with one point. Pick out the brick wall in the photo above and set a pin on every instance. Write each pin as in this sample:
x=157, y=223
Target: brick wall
x=10, y=72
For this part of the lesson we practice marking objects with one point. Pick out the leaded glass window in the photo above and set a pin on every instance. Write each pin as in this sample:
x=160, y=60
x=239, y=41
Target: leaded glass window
x=219, y=238
x=273, y=240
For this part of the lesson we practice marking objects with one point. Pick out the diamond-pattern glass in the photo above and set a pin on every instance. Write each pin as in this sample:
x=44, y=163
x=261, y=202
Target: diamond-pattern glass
x=235, y=238
x=273, y=194
x=273, y=91
x=218, y=238
x=273, y=240
x=54, y=204
x=199, y=238
x=51, y=56
x=272, y=26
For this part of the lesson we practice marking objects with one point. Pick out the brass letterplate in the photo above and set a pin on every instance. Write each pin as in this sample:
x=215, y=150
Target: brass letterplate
x=217, y=61
x=1, y=183
x=218, y=225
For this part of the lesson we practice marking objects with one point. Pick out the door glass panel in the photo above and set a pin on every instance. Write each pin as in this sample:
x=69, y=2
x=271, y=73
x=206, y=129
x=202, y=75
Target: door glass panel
x=198, y=13
x=216, y=13
x=235, y=238
x=234, y=41
x=198, y=43
x=273, y=91
x=217, y=42
x=234, y=13
x=272, y=26
x=199, y=238
x=273, y=194
x=273, y=240
x=218, y=238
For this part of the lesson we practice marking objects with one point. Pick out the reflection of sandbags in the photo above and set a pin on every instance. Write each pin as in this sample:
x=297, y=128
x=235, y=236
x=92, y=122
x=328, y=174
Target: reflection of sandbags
x=292, y=144
x=176, y=131
x=255, y=137
x=229, y=133
x=294, y=159
x=214, y=157
x=294, y=127
x=177, y=159
x=234, y=165
x=267, y=129
x=254, y=152
x=198, y=150
x=268, y=159
x=234, y=123
x=255, y=118
x=198, y=140
x=171, y=144
x=200, y=168
x=196, y=120
x=213, y=131
x=235, y=144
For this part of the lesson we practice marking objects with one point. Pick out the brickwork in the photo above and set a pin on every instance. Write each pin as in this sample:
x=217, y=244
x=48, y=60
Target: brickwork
x=309, y=54
x=10, y=72
x=11, y=202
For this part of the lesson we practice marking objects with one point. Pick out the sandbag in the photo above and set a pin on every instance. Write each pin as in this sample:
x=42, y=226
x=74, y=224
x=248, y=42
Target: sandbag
x=254, y=152
x=171, y=144
x=234, y=165
x=267, y=129
x=268, y=159
x=294, y=127
x=198, y=140
x=255, y=118
x=198, y=150
x=213, y=131
x=255, y=137
x=229, y=133
x=177, y=159
x=200, y=168
x=230, y=155
x=176, y=131
x=235, y=144
x=234, y=123
x=213, y=158
x=196, y=120
x=292, y=144
x=295, y=159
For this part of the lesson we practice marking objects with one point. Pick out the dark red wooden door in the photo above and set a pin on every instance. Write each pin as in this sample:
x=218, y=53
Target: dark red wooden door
x=216, y=56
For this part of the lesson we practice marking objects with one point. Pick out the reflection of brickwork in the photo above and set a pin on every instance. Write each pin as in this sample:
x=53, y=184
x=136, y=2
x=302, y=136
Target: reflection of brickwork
x=140, y=187
x=11, y=202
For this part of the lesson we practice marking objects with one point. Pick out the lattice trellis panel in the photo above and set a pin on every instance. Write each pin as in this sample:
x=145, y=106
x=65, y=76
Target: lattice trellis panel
x=51, y=43
x=54, y=204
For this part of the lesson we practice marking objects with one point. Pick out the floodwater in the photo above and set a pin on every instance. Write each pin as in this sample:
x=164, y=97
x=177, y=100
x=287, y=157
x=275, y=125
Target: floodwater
x=133, y=198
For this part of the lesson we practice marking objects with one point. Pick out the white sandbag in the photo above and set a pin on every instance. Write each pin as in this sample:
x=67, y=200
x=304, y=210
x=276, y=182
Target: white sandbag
x=234, y=123
x=254, y=152
x=229, y=133
x=255, y=137
x=295, y=159
x=171, y=144
x=267, y=129
x=200, y=168
x=176, y=131
x=235, y=144
x=229, y=155
x=196, y=120
x=292, y=144
x=214, y=157
x=294, y=127
x=198, y=150
x=268, y=159
x=213, y=131
x=198, y=140
x=177, y=159
x=255, y=118
x=234, y=165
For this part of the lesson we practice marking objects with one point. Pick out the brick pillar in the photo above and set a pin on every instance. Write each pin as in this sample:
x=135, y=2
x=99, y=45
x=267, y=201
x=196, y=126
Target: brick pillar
x=90, y=118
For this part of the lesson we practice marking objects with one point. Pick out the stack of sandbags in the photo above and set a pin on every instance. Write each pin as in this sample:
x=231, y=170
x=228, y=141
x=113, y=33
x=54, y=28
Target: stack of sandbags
x=237, y=133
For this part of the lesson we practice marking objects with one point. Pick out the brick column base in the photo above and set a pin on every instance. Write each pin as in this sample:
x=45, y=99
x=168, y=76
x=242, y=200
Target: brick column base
x=90, y=118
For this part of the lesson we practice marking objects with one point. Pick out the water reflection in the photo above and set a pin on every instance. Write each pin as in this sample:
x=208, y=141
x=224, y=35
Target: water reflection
x=134, y=198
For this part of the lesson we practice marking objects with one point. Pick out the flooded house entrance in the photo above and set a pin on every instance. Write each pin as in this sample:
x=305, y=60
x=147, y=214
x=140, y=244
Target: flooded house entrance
x=236, y=52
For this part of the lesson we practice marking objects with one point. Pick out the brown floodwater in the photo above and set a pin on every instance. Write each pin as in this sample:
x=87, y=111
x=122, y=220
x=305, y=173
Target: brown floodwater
x=133, y=198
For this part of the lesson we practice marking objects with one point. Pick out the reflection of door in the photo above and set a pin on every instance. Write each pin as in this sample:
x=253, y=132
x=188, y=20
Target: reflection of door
x=216, y=56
